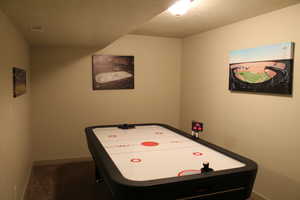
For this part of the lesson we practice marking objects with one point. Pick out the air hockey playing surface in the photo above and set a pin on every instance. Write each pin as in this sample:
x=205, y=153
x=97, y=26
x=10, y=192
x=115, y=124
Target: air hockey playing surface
x=152, y=160
x=154, y=152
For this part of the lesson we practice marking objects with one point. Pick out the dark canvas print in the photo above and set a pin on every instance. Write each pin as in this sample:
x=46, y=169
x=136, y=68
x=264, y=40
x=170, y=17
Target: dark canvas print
x=19, y=81
x=266, y=69
x=113, y=72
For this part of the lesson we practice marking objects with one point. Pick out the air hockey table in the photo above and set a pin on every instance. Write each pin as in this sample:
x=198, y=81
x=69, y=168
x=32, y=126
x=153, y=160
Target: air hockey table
x=157, y=161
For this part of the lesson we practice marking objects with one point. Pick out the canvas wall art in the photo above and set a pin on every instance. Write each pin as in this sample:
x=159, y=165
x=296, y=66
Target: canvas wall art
x=267, y=69
x=113, y=72
x=19, y=82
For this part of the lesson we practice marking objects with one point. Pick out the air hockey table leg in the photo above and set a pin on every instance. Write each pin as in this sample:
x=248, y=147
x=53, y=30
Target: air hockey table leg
x=98, y=176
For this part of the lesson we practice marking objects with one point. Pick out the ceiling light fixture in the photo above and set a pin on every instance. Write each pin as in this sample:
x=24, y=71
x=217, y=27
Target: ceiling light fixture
x=180, y=7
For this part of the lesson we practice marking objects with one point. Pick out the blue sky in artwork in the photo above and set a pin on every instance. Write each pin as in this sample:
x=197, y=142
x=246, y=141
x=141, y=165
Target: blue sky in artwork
x=264, y=53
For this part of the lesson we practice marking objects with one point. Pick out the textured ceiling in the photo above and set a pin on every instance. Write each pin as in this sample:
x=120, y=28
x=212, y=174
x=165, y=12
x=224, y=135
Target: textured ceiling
x=80, y=23
x=208, y=14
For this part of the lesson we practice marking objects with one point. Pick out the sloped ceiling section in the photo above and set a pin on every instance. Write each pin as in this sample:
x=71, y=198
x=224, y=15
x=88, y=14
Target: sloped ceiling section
x=209, y=14
x=79, y=23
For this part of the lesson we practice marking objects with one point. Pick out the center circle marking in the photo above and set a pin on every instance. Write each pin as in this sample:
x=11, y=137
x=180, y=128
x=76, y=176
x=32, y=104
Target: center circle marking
x=150, y=144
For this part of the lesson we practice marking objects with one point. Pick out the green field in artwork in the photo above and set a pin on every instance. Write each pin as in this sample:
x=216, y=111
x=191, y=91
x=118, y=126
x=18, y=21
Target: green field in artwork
x=251, y=77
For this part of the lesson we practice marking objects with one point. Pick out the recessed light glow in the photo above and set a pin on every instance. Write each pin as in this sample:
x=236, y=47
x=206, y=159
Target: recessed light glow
x=180, y=7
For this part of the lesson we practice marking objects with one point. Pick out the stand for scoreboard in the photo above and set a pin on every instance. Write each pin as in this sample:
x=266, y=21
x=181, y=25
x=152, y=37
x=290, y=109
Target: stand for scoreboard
x=197, y=128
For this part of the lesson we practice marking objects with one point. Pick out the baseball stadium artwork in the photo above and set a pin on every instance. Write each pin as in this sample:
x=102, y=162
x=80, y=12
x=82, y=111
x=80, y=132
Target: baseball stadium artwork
x=113, y=72
x=266, y=69
x=19, y=82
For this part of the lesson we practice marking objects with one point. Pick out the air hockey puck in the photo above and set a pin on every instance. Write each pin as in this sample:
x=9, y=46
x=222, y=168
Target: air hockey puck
x=126, y=126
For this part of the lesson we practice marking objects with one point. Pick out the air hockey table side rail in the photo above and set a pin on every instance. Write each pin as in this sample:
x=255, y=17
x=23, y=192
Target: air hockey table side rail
x=233, y=184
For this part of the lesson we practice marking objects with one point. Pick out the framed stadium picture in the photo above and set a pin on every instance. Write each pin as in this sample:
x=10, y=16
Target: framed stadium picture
x=19, y=82
x=113, y=72
x=267, y=69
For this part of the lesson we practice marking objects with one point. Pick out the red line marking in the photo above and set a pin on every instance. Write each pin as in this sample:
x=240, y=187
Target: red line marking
x=123, y=145
x=149, y=150
x=118, y=146
x=112, y=136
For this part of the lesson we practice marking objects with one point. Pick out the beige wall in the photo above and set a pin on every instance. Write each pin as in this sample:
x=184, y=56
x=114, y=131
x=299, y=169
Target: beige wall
x=64, y=102
x=260, y=126
x=15, y=150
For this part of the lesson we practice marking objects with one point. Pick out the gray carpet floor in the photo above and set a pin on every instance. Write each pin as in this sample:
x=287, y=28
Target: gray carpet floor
x=74, y=181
